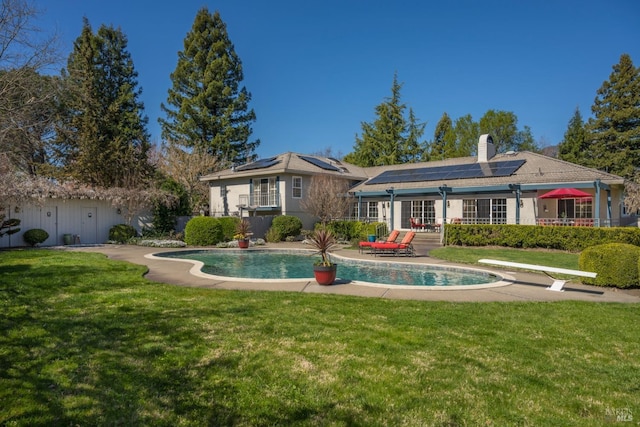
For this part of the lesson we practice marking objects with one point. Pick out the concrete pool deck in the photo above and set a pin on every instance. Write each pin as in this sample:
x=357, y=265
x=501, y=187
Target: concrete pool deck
x=525, y=286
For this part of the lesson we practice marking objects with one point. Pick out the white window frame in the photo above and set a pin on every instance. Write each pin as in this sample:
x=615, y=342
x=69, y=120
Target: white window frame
x=296, y=188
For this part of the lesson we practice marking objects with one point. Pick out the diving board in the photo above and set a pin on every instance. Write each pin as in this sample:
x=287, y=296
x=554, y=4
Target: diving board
x=557, y=285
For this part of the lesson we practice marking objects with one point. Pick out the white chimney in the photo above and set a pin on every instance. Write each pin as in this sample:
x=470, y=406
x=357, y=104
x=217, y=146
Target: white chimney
x=486, y=149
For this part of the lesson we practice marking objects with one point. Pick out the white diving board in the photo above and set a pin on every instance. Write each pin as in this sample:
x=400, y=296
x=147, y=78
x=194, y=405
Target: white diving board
x=557, y=283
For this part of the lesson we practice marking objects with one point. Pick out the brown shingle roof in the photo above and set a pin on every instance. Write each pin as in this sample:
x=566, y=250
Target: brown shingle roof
x=537, y=169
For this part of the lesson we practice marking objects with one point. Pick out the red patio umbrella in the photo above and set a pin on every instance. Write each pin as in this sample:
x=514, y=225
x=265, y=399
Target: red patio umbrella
x=565, y=193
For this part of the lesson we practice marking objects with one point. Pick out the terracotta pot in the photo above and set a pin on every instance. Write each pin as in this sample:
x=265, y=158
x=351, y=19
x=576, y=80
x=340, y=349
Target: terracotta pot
x=325, y=275
x=244, y=243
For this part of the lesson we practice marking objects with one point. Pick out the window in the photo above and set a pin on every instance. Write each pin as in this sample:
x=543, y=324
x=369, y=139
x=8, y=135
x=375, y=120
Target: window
x=296, y=190
x=566, y=208
x=498, y=211
x=484, y=211
x=469, y=210
x=265, y=192
x=423, y=210
x=223, y=190
x=372, y=211
x=584, y=208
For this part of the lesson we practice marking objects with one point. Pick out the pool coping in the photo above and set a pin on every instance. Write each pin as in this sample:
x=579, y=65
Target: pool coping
x=196, y=270
x=527, y=287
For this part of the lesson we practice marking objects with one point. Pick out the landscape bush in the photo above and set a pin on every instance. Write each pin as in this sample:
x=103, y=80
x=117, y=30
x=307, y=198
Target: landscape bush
x=121, y=233
x=229, y=225
x=345, y=230
x=355, y=231
x=574, y=239
x=272, y=235
x=203, y=231
x=617, y=264
x=35, y=236
x=284, y=226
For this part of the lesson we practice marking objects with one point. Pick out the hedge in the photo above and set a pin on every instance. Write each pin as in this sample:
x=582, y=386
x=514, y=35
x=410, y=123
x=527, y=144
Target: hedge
x=203, y=231
x=121, y=233
x=574, y=239
x=615, y=263
x=228, y=224
x=284, y=226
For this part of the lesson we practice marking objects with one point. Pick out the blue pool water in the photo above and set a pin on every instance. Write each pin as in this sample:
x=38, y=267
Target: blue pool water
x=282, y=264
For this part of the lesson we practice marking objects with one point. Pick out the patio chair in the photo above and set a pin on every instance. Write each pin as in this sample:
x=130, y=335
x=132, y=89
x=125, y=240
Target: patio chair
x=417, y=226
x=391, y=238
x=404, y=247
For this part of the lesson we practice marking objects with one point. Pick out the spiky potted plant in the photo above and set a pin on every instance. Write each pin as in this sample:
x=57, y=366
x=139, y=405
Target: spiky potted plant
x=324, y=270
x=243, y=231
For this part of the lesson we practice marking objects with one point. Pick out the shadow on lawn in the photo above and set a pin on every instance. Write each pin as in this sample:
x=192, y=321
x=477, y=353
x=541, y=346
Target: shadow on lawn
x=107, y=353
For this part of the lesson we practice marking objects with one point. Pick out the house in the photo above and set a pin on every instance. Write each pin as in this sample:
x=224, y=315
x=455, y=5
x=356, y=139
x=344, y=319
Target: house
x=274, y=186
x=489, y=188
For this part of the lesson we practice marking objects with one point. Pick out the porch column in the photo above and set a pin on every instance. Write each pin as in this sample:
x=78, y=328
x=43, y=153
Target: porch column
x=515, y=188
x=391, y=192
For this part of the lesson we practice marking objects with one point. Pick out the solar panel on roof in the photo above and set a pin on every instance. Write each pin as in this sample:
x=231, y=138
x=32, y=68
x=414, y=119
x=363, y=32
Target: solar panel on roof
x=450, y=172
x=259, y=164
x=320, y=163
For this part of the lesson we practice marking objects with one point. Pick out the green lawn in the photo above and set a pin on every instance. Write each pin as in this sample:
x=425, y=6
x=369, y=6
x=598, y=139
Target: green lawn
x=471, y=255
x=88, y=341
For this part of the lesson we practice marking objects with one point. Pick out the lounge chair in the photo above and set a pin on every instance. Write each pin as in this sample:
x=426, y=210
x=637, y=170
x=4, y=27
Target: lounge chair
x=390, y=239
x=404, y=247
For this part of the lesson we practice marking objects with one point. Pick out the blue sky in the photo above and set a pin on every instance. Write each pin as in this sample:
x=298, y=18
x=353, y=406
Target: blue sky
x=317, y=69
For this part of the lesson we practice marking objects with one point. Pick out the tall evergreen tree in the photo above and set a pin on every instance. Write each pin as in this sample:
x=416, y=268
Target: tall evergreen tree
x=102, y=132
x=206, y=107
x=467, y=133
x=414, y=150
x=614, y=129
x=502, y=126
x=390, y=139
x=574, y=145
x=444, y=140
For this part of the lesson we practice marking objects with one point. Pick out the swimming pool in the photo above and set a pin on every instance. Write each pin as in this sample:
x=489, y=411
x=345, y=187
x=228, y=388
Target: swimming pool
x=294, y=265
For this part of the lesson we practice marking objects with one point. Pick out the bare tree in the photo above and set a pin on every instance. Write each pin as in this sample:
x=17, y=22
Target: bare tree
x=26, y=96
x=327, y=198
x=186, y=168
x=632, y=193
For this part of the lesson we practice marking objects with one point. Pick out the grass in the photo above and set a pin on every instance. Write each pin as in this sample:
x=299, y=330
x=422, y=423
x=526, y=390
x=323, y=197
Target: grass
x=89, y=341
x=471, y=255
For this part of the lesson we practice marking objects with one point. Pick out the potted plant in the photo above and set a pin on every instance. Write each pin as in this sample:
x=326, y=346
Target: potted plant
x=243, y=231
x=324, y=270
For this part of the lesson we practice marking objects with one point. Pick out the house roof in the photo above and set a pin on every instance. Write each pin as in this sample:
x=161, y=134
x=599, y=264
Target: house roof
x=530, y=170
x=292, y=163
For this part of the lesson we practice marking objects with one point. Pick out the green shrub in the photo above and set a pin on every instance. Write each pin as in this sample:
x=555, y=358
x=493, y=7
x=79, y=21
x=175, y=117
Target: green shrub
x=121, y=233
x=7, y=225
x=615, y=263
x=35, y=236
x=203, y=231
x=229, y=225
x=286, y=225
x=273, y=235
x=355, y=231
x=164, y=217
x=566, y=238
